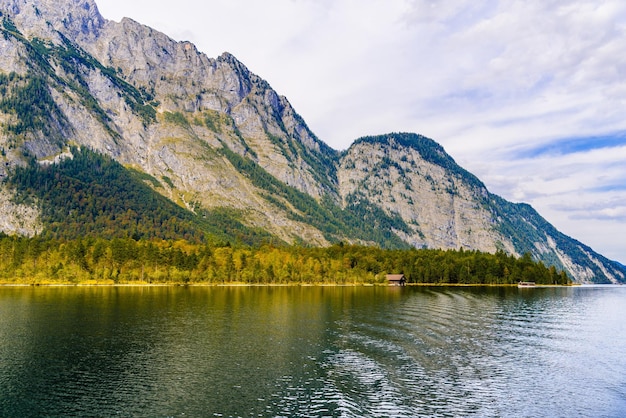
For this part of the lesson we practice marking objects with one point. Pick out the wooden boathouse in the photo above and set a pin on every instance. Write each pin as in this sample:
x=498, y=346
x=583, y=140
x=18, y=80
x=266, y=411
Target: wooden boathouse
x=396, y=279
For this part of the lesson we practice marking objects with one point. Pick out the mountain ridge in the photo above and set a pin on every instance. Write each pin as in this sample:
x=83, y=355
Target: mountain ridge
x=210, y=135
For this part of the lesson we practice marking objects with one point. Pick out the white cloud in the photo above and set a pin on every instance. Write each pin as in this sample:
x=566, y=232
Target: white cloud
x=492, y=80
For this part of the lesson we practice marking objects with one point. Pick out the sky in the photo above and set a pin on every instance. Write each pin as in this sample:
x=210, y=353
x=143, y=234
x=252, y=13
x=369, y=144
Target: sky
x=529, y=95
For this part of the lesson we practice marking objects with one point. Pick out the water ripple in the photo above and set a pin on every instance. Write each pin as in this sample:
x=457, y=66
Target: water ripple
x=414, y=352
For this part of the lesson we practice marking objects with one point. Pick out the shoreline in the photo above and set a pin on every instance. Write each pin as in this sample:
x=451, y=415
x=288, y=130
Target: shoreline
x=238, y=284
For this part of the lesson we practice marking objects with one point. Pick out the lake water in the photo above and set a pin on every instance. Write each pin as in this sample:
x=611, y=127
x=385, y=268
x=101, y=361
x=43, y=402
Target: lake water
x=313, y=351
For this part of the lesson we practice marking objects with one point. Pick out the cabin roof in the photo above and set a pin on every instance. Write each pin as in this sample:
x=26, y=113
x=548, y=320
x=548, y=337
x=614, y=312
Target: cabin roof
x=395, y=277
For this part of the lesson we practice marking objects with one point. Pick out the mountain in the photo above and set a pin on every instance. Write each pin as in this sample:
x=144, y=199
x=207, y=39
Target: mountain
x=112, y=128
x=444, y=206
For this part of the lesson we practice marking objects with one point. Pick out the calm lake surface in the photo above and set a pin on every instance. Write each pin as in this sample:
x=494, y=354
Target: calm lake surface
x=313, y=351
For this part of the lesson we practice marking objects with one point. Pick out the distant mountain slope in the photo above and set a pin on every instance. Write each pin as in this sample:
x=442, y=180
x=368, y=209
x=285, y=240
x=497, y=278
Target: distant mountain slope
x=445, y=206
x=531, y=233
x=208, y=146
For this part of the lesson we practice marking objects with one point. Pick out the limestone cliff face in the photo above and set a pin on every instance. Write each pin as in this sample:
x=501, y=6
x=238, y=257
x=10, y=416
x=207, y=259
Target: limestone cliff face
x=178, y=78
x=133, y=93
x=77, y=19
x=17, y=218
x=442, y=209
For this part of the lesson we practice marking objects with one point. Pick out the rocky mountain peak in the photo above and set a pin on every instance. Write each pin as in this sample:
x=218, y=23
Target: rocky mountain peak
x=411, y=176
x=77, y=19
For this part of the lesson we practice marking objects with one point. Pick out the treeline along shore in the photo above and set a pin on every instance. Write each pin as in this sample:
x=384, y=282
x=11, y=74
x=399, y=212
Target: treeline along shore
x=127, y=261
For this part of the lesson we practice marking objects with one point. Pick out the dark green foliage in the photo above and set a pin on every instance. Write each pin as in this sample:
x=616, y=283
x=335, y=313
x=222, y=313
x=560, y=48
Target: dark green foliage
x=323, y=163
x=40, y=47
x=515, y=224
x=168, y=181
x=226, y=225
x=176, y=118
x=212, y=121
x=29, y=99
x=92, y=195
x=145, y=111
x=9, y=26
x=379, y=224
x=473, y=267
x=140, y=175
x=449, y=266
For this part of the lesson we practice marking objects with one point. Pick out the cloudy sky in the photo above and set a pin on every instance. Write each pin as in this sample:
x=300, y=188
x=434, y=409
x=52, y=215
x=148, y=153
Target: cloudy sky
x=529, y=95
